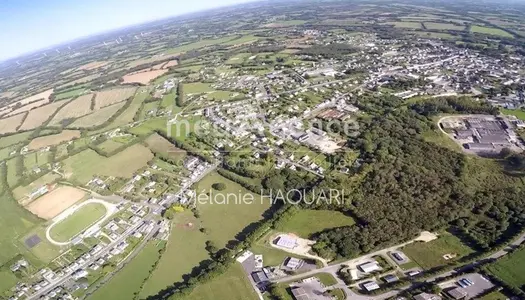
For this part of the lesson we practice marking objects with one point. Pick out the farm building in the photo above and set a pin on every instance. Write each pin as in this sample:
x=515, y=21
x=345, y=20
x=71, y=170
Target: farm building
x=299, y=294
x=370, y=286
x=286, y=242
x=426, y=296
x=293, y=263
x=369, y=267
x=457, y=293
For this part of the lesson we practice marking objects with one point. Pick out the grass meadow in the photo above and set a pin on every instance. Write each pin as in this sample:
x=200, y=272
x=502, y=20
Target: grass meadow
x=307, y=222
x=511, y=269
x=429, y=255
x=126, y=283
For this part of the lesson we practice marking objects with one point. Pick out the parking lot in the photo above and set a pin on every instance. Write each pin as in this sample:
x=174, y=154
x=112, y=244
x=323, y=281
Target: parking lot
x=480, y=285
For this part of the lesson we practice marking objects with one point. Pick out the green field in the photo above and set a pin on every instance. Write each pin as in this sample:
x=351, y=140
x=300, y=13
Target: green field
x=45, y=251
x=232, y=285
x=511, y=269
x=490, y=31
x=69, y=94
x=243, y=39
x=126, y=283
x=168, y=101
x=200, y=44
x=239, y=215
x=148, y=108
x=434, y=35
x=429, y=255
x=14, y=139
x=12, y=175
x=84, y=165
x=307, y=222
x=238, y=58
x=326, y=278
x=518, y=113
x=197, y=88
x=185, y=250
x=414, y=25
x=35, y=159
x=109, y=146
x=150, y=126
x=80, y=220
x=494, y=296
x=443, y=26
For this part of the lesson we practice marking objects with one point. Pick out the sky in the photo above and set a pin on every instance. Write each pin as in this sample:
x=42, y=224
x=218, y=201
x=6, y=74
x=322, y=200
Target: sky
x=30, y=25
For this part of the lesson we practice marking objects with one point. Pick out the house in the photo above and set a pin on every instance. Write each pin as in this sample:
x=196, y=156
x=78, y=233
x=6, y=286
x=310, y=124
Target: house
x=370, y=267
x=370, y=286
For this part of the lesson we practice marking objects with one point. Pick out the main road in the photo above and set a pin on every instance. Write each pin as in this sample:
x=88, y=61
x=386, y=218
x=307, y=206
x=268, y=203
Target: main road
x=333, y=269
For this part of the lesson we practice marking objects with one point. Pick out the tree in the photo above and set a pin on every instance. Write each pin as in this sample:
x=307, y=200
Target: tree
x=219, y=186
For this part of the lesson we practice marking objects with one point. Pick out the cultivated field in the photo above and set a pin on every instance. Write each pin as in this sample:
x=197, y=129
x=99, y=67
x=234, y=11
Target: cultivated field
x=158, y=144
x=9, y=125
x=55, y=139
x=84, y=165
x=39, y=116
x=429, y=255
x=74, y=109
x=152, y=59
x=29, y=107
x=109, y=97
x=93, y=65
x=44, y=95
x=53, y=203
x=171, y=63
x=98, y=117
x=77, y=222
x=81, y=80
x=306, y=222
x=143, y=77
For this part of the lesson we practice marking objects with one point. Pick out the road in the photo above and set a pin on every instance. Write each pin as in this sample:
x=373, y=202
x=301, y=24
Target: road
x=67, y=276
x=384, y=252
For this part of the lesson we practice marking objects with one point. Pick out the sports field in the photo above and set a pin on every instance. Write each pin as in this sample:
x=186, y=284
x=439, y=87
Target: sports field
x=429, y=255
x=55, y=139
x=307, y=222
x=511, y=269
x=126, y=282
x=53, y=203
x=79, y=221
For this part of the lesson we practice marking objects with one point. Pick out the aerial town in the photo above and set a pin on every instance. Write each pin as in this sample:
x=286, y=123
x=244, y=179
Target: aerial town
x=270, y=151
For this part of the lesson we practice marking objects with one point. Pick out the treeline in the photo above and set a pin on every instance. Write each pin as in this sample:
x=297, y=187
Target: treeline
x=108, y=121
x=335, y=50
x=451, y=105
x=185, y=146
x=181, y=97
